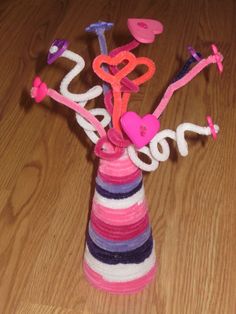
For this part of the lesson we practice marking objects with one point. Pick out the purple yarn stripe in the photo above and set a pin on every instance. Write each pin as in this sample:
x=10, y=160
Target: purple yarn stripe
x=118, y=196
x=136, y=256
x=119, y=246
x=118, y=188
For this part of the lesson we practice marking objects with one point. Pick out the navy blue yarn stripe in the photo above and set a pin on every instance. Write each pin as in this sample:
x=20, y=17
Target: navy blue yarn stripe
x=185, y=68
x=112, y=258
x=110, y=195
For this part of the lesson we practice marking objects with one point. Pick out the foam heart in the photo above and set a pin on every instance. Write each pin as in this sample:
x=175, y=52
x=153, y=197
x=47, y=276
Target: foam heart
x=140, y=130
x=144, y=30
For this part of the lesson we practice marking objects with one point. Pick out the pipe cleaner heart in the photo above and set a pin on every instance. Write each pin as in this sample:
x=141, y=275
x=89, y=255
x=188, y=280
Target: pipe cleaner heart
x=39, y=89
x=116, y=60
x=140, y=130
x=144, y=30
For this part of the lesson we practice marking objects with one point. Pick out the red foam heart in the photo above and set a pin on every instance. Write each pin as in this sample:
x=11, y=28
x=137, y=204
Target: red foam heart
x=140, y=130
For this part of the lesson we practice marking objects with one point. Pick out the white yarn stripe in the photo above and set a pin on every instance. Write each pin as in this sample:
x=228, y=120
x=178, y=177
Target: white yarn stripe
x=120, y=272
x=137, y=198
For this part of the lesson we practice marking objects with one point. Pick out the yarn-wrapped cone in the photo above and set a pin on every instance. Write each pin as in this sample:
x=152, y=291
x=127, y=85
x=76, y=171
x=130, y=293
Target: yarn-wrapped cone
x=120, y=255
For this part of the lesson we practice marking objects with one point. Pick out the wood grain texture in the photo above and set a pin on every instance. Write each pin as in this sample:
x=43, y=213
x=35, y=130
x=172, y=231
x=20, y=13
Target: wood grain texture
x=47, y=168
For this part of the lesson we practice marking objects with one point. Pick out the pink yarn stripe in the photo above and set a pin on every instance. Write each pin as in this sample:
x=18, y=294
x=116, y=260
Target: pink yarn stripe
x=120, y=217
x=116, y=171
x=181, y=82
x=76, y=107
x=110, y=233
x=118, y=228
x=118, y=287
x=125, y=179
x=120, y=162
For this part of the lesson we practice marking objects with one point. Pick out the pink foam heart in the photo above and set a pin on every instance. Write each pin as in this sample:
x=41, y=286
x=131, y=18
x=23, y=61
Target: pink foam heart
x=140, y=130
x=144, y=30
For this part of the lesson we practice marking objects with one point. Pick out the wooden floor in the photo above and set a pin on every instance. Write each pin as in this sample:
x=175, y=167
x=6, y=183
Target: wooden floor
x=47, y=167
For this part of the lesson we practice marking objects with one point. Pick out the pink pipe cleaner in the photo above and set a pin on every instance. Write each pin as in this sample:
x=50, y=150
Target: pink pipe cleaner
x=216, y=58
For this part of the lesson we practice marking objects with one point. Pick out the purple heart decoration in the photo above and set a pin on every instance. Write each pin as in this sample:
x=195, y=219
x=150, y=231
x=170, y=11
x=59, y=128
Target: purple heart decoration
x=140, y=130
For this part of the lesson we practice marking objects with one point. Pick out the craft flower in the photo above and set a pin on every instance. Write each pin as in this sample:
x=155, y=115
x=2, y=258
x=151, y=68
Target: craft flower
x=218, y=57
x=39, y=90
x=212, y=127
x=56, y=50
x=99, y=26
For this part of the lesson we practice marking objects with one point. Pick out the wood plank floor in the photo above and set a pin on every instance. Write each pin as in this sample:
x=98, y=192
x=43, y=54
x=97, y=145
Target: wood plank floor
x=47, y=166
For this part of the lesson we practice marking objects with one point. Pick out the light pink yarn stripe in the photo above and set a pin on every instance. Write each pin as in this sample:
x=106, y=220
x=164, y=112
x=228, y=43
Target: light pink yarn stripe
x=121, y=162
x=119, y=180
x=116, y=170
x=120, y=217
x=118, y=287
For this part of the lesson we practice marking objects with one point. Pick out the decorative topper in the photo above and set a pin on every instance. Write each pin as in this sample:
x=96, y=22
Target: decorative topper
x=139, y=130
x=56, y=50
x=39, y=90
x=218, y=56
x=212, y=127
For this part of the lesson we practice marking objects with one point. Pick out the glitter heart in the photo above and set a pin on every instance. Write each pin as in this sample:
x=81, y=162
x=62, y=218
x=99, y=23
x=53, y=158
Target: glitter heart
x=140, y=130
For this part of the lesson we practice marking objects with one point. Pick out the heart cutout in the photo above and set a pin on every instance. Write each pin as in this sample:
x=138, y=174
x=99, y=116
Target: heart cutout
x=144, y=30
x=115, y=79
x=140, y=130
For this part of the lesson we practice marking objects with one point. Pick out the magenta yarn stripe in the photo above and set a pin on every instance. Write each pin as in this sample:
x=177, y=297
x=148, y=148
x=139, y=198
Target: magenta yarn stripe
x=113, y=228
x=120, y=217
x=110, y=233
x=119, y=246
x=127, y=287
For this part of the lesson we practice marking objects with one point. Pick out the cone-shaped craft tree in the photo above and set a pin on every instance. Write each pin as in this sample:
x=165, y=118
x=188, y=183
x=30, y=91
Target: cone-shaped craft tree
x=120, y=252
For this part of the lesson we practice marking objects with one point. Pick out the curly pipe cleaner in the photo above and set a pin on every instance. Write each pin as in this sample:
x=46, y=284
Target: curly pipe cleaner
x=153, y=151
x=39, y=91
x=90, y=94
